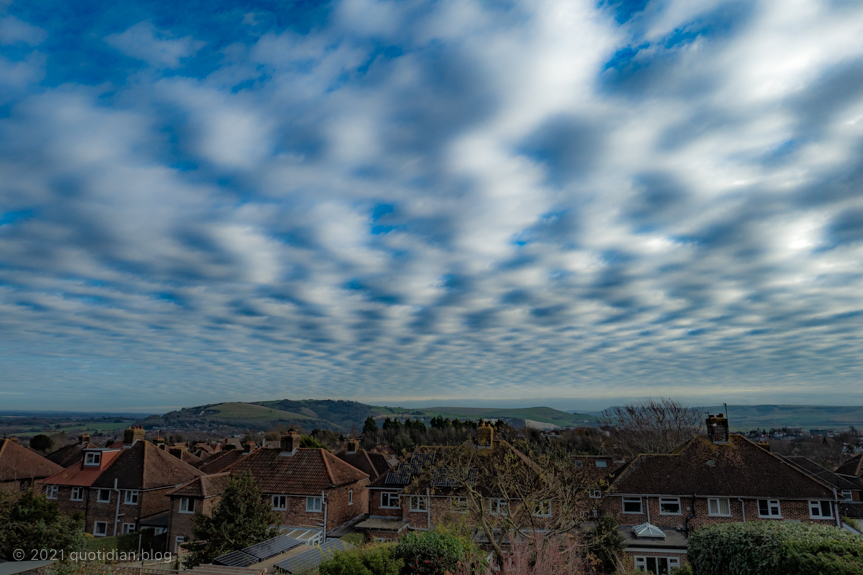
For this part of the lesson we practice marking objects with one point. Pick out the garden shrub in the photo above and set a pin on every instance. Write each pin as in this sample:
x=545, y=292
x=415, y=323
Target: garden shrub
x=430, y=553
x=372, y=560
x=775, y=548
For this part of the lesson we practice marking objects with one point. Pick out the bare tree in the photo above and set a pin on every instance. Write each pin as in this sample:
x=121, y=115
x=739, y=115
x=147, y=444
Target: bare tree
x=651, y=426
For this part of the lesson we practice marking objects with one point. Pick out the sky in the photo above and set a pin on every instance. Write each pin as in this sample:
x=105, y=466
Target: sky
x=543, y=202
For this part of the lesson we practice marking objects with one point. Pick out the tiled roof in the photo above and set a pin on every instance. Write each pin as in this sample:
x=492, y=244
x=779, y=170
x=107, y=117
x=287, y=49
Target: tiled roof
x=18, y=462
x=203, y=486
x=812, y=469
x=739, y=468
x=79, y=475
x=145, y=466
x=373, y=464
x=307, y=472
x=853, y=466
x=220, y=461
x=69, y=454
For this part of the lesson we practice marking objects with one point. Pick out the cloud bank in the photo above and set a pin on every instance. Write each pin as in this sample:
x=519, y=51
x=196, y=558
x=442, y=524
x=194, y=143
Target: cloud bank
x=420, y=200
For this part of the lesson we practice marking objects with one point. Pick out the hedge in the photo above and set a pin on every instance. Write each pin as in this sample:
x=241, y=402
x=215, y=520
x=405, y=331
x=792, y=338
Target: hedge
x=775, y=548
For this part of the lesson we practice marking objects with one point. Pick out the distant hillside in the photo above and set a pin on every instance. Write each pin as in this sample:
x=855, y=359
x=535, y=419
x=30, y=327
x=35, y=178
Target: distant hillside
x=341, y=415
x=746, y=417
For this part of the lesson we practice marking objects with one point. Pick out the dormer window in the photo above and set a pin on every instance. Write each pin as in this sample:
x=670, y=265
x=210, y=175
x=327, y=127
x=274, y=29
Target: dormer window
x=93, y=458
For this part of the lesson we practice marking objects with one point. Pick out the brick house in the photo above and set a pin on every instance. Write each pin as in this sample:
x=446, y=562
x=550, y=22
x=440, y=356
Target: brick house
x=199, y=495
x=116, y=487
x=659, y=499
x=308, y=488
x=20, y=467
x=369, y=462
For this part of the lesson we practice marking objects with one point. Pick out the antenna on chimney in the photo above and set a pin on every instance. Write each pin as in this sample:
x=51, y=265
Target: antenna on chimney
x=726, y=409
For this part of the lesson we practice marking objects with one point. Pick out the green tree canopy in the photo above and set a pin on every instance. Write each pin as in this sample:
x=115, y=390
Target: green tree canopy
x=241, y=518
x=41, y=442
x=370, y=427
x=30, y=521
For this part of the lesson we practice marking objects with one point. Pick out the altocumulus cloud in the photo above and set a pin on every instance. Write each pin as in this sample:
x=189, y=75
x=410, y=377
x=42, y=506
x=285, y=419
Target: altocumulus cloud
x=416, y=199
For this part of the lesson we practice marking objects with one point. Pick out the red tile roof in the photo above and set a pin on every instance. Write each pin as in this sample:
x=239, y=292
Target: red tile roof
x=220, y=461
x=79, y=475
x=69, y=454
x=307, y=472
x=204, y=486
x=17, y=463
x=373, y=464
x=739, y=468
x=145, y=466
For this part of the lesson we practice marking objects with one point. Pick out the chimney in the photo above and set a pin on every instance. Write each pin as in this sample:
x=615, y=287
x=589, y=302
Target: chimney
x=764, y=444
x=290, y=443
x=13, y=439
x=717, y=428
x=177, y=452
x=353, y=445
x=84, y=439
x=485, y=436
x=249, y=447
x=132, y=435
x=159, y=442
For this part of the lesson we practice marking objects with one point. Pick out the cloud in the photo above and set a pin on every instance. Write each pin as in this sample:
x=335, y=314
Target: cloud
x=143, y=42
x=387, y=201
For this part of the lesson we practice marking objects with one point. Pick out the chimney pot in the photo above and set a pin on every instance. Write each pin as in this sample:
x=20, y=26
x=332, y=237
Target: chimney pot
x=353, y=446
x=132, y=435
x=717, y=428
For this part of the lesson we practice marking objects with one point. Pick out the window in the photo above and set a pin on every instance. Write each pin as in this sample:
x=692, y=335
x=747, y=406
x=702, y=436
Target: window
x=314, y=504
x=720, y=507
x=389, y=500
x=768, y=508
x=100, y=528
x=280, y=502
x=383, y=540
x=131, y=497
x=158, y=530
x=178, y=540
x=596, y=493
x=632, y=505
x=187, y=505
x=669, y=506
x=104, y=496
x=458, y=504
x=601, y=463
x=579, y=464
x=350, y=496
x=93, y=458
x=656, y=565
x=847, y=495
x=820, y=510
x=77, y=494
x=542, y=509
x=499, y=507
x=128, y=528
x=51, y=492
x=419, y=503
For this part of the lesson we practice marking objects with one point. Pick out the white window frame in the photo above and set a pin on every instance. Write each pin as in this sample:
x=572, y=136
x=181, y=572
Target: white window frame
x=595, y=494
x=625, y=500
x=816, y=509
x=131, y=497
x=390, y=497
x=187, y=505
x=99, y=493
x=672, y=501
x=717, y=502
x=77, y=491
x=641, y=563
x=350, y=496
x=601, y=463
x=93, y=458
x=280, y=502
x=314, y=504
x=542, y=508
x=848, y=495
x=51, y=492
x=128, y=528
x=498, y=507
x=383, y=540
x=104, y=532
x=771, y=504
x=178, y=540
x=458, y=504
x=419, y=503
x=579, y=463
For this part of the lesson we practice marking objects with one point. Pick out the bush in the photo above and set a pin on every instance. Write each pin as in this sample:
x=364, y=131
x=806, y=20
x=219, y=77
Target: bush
x=430, y=553
x=374, y=560
x=775, y=548
x=605, y=544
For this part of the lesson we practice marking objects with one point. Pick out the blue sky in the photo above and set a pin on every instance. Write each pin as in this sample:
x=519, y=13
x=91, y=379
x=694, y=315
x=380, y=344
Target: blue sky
x=552, y=202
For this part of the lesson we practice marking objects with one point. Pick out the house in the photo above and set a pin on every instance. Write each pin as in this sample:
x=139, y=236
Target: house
x=21, y=467
x=849, y=488
x=659, y=499
x=117, y=487
x=308, y=488
x=852, y=468
x=198, y=495
x=373, y=464
x=72, y=453
x=422, y=492
x=220, y=461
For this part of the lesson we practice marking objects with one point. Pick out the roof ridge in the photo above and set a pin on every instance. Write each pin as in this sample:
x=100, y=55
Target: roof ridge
x=327, y=465
x=782, y=460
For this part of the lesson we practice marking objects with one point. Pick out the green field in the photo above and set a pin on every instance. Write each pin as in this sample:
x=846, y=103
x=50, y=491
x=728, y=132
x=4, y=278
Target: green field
x=250, y=412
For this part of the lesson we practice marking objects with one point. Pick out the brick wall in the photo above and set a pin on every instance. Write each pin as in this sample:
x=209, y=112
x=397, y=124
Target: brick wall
x=339, y=510
x=183, y=524
x=375, y=504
